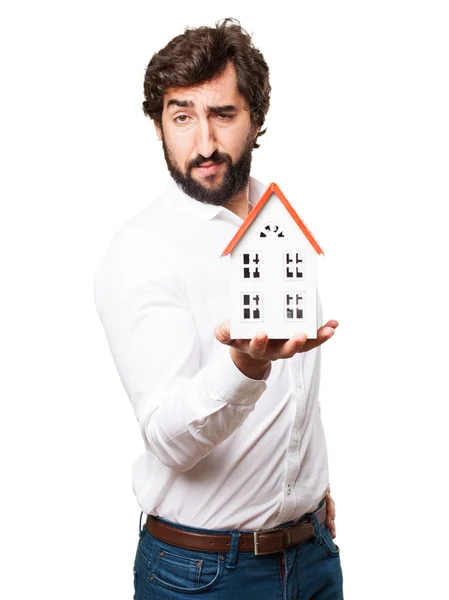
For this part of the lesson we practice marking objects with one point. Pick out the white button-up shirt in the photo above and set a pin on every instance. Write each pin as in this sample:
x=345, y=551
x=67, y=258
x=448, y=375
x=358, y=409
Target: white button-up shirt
x=222, y=451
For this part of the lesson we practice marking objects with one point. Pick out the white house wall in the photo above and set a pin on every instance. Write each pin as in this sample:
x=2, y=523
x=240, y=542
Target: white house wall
x=272, y=284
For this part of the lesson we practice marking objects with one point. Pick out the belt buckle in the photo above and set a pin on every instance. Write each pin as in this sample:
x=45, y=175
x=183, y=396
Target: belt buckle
x=256, y=541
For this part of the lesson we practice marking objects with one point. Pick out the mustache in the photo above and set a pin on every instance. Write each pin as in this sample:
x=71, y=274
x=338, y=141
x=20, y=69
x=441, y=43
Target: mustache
x=216, y=157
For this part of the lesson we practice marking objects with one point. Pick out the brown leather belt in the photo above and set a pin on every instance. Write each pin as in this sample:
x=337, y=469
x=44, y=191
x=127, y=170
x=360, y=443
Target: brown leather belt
x=259, y=542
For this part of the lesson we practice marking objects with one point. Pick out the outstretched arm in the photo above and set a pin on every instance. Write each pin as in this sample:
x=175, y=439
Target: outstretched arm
x=184, y=410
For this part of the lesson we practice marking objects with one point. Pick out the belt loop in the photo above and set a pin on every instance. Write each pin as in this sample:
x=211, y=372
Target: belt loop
x=316, y=529
x=233, y=550
x=140, y=525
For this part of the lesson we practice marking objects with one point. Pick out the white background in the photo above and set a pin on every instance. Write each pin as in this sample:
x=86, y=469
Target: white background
x=358, y=141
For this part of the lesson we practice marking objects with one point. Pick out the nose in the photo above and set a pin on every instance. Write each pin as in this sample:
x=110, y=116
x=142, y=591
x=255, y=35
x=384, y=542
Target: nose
x=206, y=142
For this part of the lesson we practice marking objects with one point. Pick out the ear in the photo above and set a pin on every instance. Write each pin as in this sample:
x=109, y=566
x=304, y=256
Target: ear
x=255, y=131
x=158, y=131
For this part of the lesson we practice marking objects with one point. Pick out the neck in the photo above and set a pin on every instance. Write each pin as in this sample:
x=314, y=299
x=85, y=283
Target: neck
x=240, y=203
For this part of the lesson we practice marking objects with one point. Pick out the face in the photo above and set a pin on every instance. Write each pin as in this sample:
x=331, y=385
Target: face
x=207, y=138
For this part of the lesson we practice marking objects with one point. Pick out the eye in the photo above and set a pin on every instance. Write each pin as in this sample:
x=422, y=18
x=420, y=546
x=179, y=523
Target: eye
x=225, y=117
x=181, y=119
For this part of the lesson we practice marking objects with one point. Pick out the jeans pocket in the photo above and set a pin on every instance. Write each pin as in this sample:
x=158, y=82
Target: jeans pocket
x=143, y=552
x=183, y=570
x=328, y=542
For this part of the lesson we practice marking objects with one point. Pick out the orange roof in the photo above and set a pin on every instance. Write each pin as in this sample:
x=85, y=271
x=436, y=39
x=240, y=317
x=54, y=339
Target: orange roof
x=271, y=189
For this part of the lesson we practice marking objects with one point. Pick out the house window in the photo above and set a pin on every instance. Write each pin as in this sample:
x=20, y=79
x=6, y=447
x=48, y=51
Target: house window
x=251, y=264
x=294, y=306
x=294, y=265
x=251, y=305
x=271, y=230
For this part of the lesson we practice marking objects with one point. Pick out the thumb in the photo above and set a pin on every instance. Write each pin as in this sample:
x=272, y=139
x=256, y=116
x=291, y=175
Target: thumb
x=223, y=332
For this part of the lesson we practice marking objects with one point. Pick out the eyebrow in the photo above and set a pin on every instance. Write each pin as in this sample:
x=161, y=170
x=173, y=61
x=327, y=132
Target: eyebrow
x=224, y=108
x=210, y=109
x=183, y=103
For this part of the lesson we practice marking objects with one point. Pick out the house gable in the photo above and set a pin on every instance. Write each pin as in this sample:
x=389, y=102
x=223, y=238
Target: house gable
x=271, y=191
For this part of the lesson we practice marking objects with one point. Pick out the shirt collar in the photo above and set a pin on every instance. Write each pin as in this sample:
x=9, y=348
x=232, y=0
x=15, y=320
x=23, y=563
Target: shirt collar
x=210, y=211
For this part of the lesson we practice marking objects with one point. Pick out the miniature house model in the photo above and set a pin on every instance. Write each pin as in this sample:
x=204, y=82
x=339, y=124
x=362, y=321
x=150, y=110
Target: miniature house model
x=273, y=272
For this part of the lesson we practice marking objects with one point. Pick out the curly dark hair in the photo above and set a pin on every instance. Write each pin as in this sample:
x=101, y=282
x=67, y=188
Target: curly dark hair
x=200, y=55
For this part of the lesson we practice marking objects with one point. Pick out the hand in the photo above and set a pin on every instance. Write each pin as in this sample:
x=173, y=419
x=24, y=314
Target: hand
x=330, y=514
x=258, y=352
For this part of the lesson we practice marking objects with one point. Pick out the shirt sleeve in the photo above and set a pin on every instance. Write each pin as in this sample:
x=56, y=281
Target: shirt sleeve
x=184, y=411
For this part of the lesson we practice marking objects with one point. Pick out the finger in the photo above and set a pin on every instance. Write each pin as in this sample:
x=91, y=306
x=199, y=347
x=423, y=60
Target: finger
x=323, y=334
x=330, y=508
x=332, y=323
x=330, y=515
x=240, y=345
x=223, y=332
x=292, y=346
x=330, y=522
x=258, y=345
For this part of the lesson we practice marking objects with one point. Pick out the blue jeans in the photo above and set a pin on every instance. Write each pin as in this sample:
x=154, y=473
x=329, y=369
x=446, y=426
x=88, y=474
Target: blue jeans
x=310, y=570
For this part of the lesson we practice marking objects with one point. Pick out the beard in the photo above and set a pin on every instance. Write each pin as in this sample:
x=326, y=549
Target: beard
x=235, y=177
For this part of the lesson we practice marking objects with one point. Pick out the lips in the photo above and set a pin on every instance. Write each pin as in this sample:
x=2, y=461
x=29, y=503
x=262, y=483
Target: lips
x=208, y=168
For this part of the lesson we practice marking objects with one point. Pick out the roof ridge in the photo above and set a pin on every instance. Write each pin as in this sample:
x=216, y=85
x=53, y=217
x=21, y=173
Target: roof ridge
x=272, y=188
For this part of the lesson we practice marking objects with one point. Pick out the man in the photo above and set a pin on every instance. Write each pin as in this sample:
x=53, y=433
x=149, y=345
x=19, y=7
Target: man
x=232, y=429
